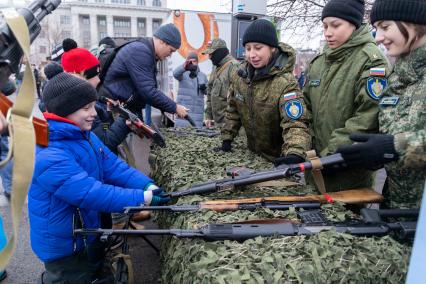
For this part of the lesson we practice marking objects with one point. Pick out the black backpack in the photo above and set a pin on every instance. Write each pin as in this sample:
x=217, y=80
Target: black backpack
x=106, y=57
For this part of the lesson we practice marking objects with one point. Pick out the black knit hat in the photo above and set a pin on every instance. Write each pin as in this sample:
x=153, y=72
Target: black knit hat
x=65, y=94
x=262, y=31
x=349, y=10
x=410, y=11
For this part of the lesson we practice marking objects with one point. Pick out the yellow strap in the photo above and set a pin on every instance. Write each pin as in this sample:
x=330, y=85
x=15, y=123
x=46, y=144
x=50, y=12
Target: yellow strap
x=21, y=132
x=316, y=170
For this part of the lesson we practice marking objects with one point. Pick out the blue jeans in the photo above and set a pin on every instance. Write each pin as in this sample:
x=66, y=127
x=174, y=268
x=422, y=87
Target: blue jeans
x=6, y=171
x=148, y=114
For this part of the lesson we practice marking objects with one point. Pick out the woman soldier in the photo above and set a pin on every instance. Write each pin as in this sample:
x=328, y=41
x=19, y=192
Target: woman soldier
x=265, y=99
x=401, y=28
x=344, y=85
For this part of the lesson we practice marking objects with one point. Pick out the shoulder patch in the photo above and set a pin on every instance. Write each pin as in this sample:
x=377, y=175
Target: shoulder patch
x=293, y=109
x=290, y=96
x=375, y=87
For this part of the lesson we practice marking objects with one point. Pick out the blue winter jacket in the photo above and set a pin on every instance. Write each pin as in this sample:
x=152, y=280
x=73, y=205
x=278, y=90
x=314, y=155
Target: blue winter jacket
x=133, y=72
x=76, y=171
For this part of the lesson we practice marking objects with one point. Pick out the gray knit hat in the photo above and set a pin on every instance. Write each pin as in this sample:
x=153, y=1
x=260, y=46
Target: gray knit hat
x=65, y=93
x=169, y=34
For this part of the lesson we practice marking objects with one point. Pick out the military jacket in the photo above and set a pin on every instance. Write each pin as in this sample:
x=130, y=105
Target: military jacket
x=403, y=114
x=218, y=88
x=342, y=92
x=270, y=107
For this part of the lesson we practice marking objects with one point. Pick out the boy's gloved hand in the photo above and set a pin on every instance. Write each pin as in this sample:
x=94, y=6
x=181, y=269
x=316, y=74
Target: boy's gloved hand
x=156, y=197
x=372, y=151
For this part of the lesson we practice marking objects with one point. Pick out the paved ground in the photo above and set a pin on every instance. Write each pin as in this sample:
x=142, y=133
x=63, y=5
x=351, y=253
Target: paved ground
x=25, y=268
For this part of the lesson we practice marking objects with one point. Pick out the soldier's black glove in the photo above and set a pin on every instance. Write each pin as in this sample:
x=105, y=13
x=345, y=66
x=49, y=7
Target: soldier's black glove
x=288, y=160
x=372, y=151
x=226, y=146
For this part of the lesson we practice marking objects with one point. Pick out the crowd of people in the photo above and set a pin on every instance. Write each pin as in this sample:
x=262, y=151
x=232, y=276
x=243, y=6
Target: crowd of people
x=351, y=101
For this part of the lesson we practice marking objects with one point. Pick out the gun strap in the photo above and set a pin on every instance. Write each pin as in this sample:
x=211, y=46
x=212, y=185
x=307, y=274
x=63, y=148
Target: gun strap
x=128, y=261
x=21, y=132
x=316, y=173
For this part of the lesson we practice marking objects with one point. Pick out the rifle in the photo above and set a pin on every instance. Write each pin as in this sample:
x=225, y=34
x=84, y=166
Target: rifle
x=141, y=129
x=243, y=231
x=251, y=206
x=280, y=172
x=41, y=127
x=197, y=131
x=190, y=120
x=9, y=47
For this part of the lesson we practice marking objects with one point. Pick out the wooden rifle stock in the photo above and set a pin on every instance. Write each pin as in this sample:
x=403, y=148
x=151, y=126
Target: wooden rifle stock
x=40, y=126
x=139, y=127
x=353, y=196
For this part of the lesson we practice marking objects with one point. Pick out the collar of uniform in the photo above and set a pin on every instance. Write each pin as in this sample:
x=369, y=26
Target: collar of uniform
x=411, y=67
x=225, y=59
x=359, y=37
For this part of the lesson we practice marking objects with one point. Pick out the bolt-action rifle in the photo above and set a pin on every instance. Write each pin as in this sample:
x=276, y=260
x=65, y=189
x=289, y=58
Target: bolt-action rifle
x=139, y=128
x=280, y=172
x=370, y=225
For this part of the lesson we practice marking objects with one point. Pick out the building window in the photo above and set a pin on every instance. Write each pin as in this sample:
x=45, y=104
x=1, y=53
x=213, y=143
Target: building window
x=121, y=23
x=65, y=20
x=156, y=23
x=141, y=2
x=141, y=23
x=102, y=35
x=156, y=3
x=120, y=1
x=42, y=49
x=86, y=39
x=123, y=34
x=99, y=1
x=102, y=22
x=84, y=1
x=66, y=34
x=86, y=20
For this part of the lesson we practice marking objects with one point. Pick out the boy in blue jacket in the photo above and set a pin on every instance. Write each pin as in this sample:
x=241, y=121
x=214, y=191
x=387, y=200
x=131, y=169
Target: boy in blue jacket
x=76, y=177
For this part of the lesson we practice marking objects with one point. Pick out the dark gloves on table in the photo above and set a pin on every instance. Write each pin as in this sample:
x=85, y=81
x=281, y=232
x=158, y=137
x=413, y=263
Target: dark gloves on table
x=288, y=160
x=226, y=146
x=372, y=151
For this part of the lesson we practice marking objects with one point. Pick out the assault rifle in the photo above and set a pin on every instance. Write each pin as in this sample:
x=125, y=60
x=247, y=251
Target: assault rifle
x=370, y=225
x=251, y=206
x=140, y=128
x=280, y=172
x=197, y=131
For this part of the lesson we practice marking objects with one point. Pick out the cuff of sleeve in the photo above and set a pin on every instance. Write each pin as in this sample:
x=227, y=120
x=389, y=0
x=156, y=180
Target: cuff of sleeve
x=400, y=143
x=227, y=137
x=147, y=197
x=150, y=187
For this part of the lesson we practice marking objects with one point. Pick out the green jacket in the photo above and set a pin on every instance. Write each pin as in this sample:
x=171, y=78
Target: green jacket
x=218, y=88
x=269, y=105
x=403, y=114
x=337, y=95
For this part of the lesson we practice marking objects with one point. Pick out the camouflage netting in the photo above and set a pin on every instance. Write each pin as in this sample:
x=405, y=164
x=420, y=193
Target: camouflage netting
x=327, y=257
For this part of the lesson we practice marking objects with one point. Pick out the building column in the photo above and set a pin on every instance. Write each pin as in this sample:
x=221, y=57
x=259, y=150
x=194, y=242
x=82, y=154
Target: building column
x=148, y=26
x=76, y=34
x=134, y=27
x=110, y=25
x=94, y=30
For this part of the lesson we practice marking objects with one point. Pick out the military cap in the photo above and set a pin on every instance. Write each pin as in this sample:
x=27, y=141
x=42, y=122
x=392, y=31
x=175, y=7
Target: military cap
x=213, y=45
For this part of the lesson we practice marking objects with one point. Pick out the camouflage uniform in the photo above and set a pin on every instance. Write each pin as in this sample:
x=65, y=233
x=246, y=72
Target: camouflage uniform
x=218, y=86
x=270, y=107
x=403, y=114
x=337, y=94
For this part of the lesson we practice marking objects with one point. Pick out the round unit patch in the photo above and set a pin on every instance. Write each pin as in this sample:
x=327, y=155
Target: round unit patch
x=293, y=109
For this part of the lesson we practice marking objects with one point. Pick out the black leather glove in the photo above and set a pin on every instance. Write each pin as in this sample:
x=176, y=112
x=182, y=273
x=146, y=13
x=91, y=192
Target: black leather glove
x=288, y=160
x=372, y=151
x=226, y=146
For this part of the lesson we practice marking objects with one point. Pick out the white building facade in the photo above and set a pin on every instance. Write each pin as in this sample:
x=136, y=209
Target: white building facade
x=88, y=21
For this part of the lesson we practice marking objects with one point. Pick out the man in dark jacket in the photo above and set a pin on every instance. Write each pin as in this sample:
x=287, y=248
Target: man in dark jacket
x=131, y=77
